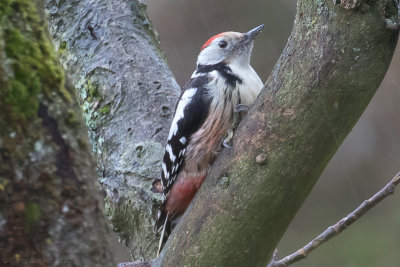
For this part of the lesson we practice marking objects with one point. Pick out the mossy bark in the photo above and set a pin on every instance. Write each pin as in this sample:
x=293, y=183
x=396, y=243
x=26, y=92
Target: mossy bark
x=332, y=65
x=50, y=210
x=128, y=95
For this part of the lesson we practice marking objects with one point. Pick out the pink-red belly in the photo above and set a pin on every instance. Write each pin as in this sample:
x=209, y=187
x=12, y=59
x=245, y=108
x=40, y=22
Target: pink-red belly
x=182, y=194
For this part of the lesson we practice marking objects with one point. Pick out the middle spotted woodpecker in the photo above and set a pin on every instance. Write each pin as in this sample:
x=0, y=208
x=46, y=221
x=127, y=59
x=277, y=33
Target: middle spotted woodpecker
x=222, y=84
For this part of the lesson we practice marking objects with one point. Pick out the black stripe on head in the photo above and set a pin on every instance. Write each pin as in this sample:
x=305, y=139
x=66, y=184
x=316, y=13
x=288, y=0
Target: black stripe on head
x=223, y=69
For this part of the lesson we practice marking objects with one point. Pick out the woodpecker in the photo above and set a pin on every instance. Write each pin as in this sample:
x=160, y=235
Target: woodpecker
x=222, y=84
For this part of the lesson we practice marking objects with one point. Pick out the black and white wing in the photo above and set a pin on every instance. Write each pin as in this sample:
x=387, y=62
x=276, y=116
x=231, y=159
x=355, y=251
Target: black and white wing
x=190, y=113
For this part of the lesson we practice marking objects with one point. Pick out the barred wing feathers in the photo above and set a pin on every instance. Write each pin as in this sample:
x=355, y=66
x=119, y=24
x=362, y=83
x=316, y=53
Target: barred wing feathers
x=191, y=112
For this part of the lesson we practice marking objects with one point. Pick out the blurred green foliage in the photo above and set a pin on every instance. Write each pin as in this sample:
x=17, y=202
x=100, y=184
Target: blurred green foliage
x=34, y=68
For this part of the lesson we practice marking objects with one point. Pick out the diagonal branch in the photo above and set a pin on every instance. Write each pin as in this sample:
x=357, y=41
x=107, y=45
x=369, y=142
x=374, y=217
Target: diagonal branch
x=317, y=91
x=337, y=228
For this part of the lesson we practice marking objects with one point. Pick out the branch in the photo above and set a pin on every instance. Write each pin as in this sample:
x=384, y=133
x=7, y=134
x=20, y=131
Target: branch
x=337, y=228
x=317, y=91
x=127, y=94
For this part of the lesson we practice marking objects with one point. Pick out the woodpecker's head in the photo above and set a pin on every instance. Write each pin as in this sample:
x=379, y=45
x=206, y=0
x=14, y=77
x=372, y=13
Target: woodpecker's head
x=228, y=47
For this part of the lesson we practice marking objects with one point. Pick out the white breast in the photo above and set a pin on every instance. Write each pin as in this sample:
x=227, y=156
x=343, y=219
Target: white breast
x=251, y=83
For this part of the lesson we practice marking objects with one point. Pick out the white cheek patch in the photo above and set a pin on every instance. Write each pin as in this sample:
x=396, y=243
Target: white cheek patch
x=210, y=55
x=179, y=113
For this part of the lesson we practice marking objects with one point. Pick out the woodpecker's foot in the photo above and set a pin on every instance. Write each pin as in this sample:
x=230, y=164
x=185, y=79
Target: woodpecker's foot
x=226, y=145
x=228, y=139
x=241, y=107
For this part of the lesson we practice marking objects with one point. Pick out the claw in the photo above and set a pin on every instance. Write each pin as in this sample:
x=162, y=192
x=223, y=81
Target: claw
x=225, y=144
x=227, y=139
x=241, y=107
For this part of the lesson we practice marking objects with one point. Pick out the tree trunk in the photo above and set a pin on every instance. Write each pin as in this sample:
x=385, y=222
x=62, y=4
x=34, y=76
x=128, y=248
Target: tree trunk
x=128, y=96
x=50, y=210
x=335, y=59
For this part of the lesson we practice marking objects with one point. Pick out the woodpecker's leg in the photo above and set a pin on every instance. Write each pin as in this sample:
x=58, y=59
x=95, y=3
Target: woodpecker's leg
x=227, y=139
x=235, y=122
x=162, y=236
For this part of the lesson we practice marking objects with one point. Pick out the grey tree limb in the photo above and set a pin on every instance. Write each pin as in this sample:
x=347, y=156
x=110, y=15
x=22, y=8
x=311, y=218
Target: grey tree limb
x=127, y=94
x=333, y=62
x=338, y=227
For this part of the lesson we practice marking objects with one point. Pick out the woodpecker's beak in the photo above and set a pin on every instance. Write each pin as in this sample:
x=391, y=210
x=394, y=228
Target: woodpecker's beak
x=254, y=32
x=243, y=47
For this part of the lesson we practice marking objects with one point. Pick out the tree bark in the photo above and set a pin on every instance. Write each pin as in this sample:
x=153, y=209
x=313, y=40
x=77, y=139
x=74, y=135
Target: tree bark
x=335, y=59
x=50, y=210
x=128, y=96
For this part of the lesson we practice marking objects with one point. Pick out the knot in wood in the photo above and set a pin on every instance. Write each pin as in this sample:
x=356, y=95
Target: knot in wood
x=261, y=159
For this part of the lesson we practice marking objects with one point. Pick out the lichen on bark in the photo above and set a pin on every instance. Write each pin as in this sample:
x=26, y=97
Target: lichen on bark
x=127, y=95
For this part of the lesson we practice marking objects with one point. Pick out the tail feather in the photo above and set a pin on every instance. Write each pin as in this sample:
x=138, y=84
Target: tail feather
x=161, y=243
x=162, y=218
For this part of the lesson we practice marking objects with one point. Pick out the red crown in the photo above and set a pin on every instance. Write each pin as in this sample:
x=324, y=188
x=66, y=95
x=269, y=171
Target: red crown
x=210, y=40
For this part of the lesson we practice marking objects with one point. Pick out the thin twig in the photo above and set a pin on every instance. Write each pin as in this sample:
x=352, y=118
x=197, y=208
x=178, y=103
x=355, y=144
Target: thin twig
x=337, y=228
x=134, y=264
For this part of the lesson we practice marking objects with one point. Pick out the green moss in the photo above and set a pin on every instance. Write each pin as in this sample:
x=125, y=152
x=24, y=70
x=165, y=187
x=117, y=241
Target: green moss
x=22, y=99
x=92, y=91
x=62, y=48
x=33, y=65
x=83, y=144
x=21, y=93
x=31, y=215
x=3, y=183
x=66, y=94
x=71, y=119
x=104, y=110
x=4, y=8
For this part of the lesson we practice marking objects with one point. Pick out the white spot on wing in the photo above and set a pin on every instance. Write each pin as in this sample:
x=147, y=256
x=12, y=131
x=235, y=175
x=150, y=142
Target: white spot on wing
x=183, y=140
x=171, y=154
x=182, y=153
x=183, y=102
x=164, y=167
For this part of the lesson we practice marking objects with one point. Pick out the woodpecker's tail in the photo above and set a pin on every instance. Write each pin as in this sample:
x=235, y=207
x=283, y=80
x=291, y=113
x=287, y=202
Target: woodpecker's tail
x=162, y=217
x=165, y=226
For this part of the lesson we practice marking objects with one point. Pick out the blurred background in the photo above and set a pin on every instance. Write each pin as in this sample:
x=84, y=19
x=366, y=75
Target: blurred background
x=366, y=161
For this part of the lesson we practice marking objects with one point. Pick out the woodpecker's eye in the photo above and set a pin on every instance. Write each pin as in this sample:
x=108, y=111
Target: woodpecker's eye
x=222, y=44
